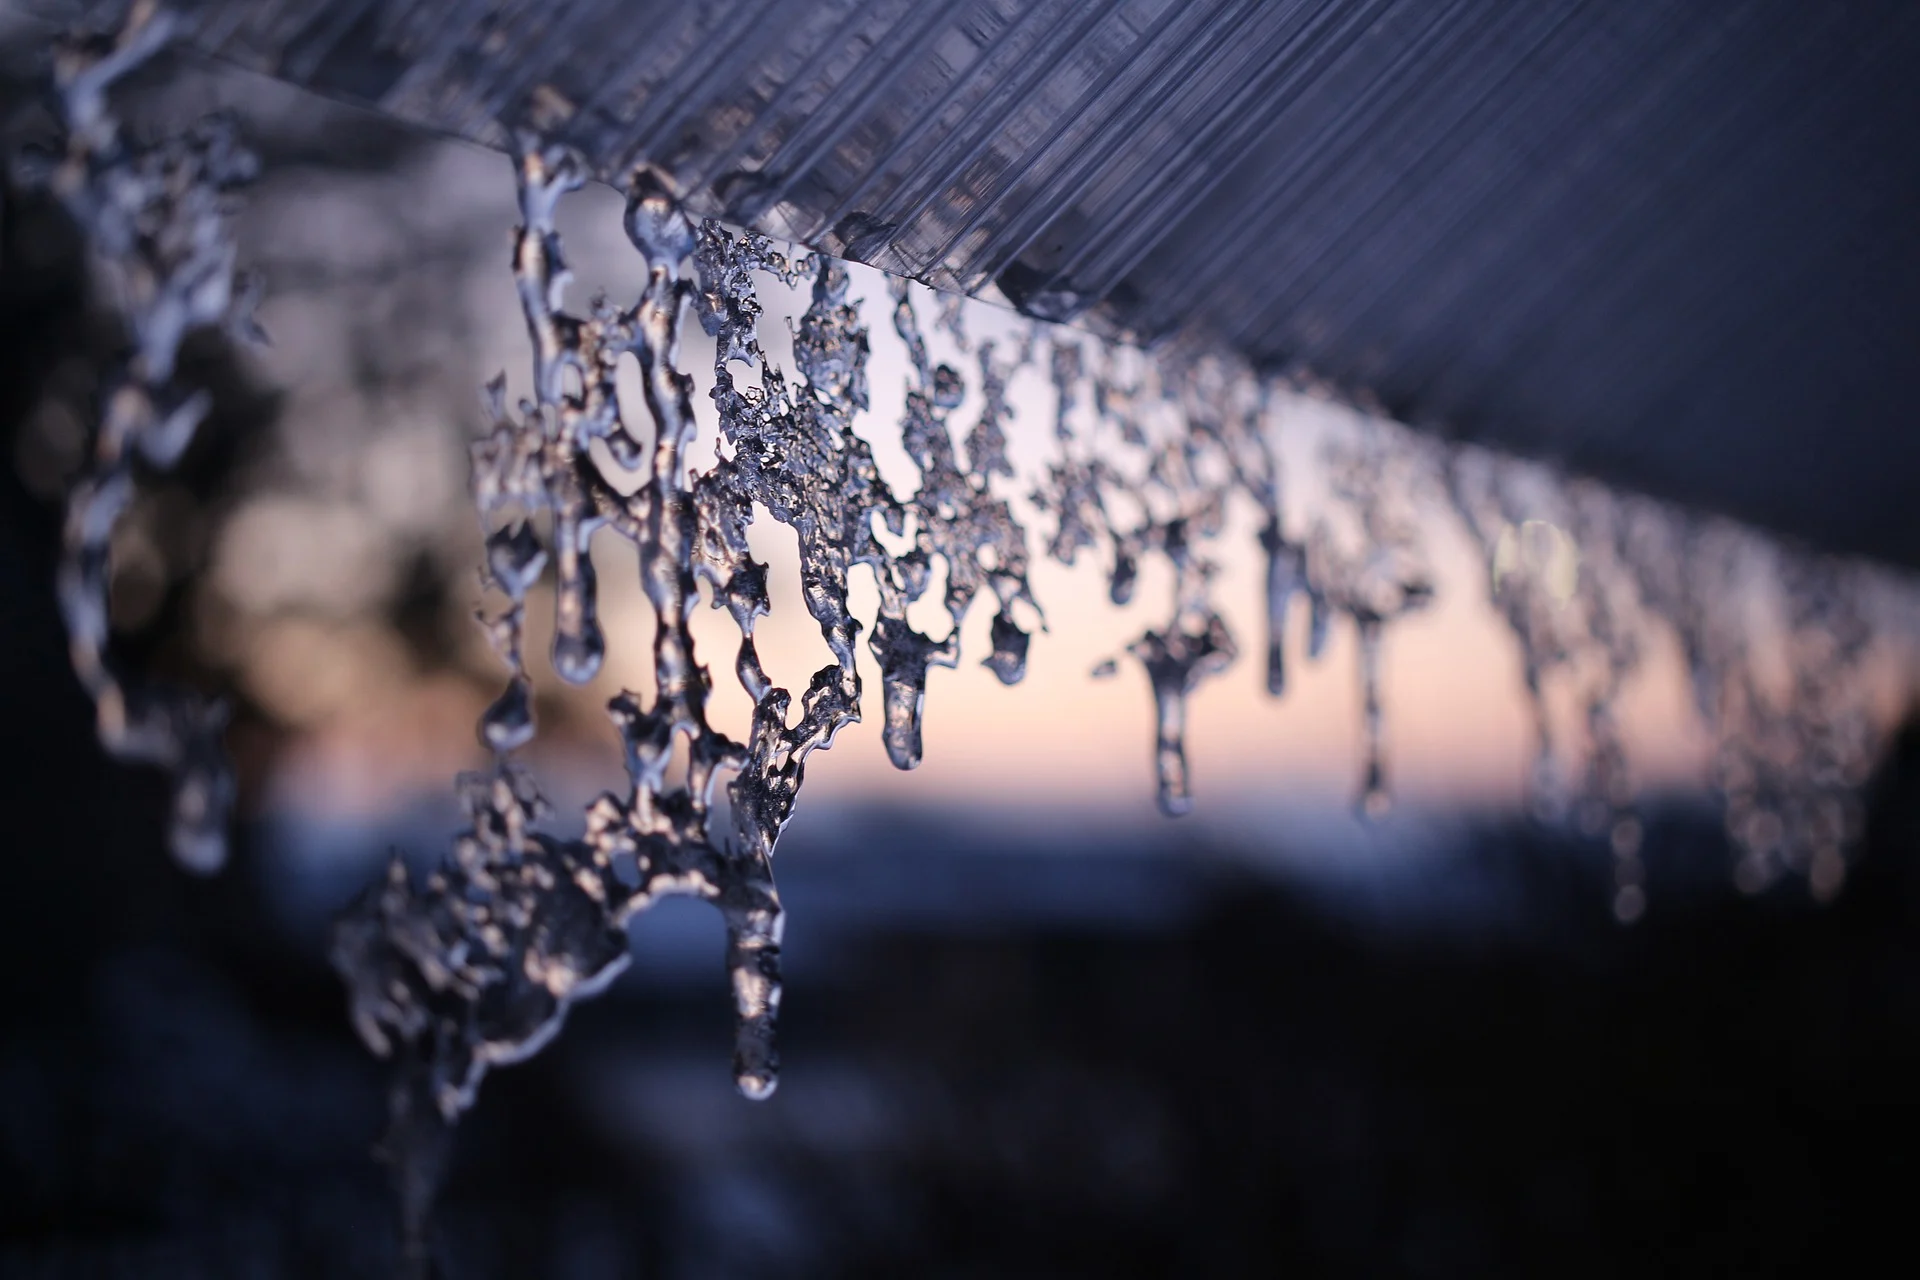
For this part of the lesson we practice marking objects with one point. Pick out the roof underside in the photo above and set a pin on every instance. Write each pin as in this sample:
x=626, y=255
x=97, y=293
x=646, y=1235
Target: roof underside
x=1669, y=242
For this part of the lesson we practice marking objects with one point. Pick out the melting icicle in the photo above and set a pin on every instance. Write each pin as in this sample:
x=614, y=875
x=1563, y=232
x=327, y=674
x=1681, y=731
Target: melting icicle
x=1555, y=578
x=475, y=968
x=478, y=965
x=1286, y=577
x=157, y=221
x=444, y=969
x=1219, y=444
x=1237, y=418
x=507, y=725
x=1386, y=578
x=1008, y=660
x=1374, y=797
x=1556, y=581
x=1603, y=589
x=1552, y=576
x=1176, y=662
x=1788, y=764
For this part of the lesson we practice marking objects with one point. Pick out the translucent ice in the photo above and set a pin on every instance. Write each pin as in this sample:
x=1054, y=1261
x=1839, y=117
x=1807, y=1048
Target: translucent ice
x=156, y=218
x=1605, y=573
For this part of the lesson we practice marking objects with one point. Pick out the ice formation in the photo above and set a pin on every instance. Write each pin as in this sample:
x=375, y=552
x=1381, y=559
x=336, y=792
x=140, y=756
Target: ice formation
x=1385, y=578
x=478, y=964
x=1790, y=754
x=155, y=217
x=1555, y=575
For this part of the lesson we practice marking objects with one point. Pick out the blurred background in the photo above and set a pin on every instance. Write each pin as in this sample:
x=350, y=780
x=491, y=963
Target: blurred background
x=1031, y=1027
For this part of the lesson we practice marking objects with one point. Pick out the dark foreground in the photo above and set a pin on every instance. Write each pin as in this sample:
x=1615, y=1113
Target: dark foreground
x=1006, y=1062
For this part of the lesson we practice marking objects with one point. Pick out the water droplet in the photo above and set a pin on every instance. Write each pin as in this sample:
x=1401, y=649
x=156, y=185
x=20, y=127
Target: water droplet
x=654, y=221
x=515, y=558
x=1008, y=660
x=508, y=724
x=578, y=645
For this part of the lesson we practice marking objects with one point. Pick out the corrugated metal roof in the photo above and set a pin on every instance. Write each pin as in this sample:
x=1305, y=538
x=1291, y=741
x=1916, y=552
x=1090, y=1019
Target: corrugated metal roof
x=1670, y=243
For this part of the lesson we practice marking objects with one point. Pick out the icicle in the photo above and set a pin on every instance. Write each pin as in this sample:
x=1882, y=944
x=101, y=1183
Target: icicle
x=1008, y=660
x=1385, y=579
x=792, y=452
x=1787, y=764
x=1603, y=589
x=1483, y=497
x=1220, y=447
x=477, y=965
x=1224, y=411
x=1286, y=577
x=1176, y=662
x=1374, y=800
x=1553, y=575
x=957, y=518
x=157, y=222
x=507, y=725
